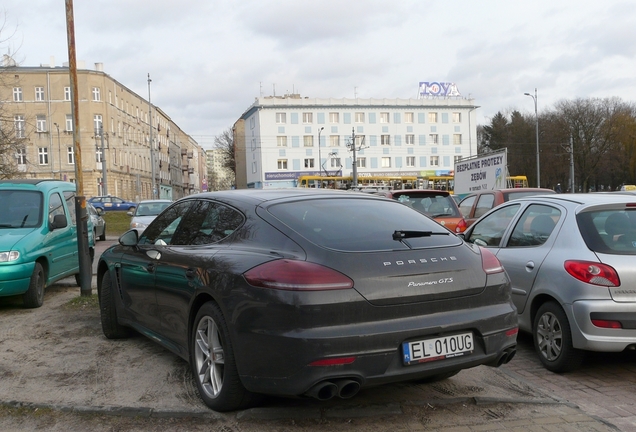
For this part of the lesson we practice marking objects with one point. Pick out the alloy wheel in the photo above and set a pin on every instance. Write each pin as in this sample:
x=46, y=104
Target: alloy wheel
x=209, y=357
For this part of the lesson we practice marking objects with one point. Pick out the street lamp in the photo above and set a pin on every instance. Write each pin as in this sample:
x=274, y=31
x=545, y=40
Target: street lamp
x=319, y=158
x=59, y=151
x=536, y=115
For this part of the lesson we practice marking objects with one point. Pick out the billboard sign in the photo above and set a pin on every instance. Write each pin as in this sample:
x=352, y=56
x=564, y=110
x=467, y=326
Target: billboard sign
x=484, y=172
x=437, y=88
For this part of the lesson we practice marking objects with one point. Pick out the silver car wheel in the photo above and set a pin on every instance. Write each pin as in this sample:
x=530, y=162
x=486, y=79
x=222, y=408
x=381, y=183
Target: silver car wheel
x=549, y=336
x=209, y=357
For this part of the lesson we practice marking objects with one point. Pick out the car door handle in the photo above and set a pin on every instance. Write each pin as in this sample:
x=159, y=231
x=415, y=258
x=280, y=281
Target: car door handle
x=530, y=265
x=190, y=273
x=151, y=267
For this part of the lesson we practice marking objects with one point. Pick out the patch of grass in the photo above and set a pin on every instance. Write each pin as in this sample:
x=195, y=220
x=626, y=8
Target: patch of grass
x=83, y=302
x=117, y=222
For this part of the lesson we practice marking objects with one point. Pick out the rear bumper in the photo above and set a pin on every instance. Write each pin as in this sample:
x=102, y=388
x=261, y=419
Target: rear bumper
x=15, y=278
x=277, y=362
x=587, y=336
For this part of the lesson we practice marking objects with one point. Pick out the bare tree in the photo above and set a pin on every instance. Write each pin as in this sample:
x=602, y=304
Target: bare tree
x=225, y=143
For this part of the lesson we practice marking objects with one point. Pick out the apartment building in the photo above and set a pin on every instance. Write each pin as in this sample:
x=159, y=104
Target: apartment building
x=281, y=138
x=114, y=128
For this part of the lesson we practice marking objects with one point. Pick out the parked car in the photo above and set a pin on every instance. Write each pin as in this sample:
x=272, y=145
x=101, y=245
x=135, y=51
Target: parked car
x=571, y=261
x=38, y=237
x=146, y=212
x=106, y=203
x=99, y=224
x=311, y=292
x=475, y=205
x=436, y=204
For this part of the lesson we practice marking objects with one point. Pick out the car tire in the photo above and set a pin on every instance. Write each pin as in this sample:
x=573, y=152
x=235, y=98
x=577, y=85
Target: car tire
x=131, y=209
x=103, y=236
x=213, y=365
x=34, y=297
x=108, y=311
x=553, y=339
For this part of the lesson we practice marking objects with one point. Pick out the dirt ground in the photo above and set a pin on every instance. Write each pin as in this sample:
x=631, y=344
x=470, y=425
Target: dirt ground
x=58, y=372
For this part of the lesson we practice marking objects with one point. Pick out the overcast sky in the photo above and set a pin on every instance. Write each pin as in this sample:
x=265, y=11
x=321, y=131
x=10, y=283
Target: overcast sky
x=209, y=59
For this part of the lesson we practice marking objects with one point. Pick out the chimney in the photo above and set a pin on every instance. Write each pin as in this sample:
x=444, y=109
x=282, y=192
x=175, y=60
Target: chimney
x=99, y=67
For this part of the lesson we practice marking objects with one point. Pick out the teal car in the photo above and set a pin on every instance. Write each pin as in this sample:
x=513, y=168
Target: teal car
x=38, y=237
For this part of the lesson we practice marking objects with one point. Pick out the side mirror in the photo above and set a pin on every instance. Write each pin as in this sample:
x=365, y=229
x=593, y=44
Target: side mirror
x=59, y=221
x=129, y=213
x=129, y=238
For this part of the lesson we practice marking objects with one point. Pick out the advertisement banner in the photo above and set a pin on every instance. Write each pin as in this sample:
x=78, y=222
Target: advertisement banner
x=484, y=172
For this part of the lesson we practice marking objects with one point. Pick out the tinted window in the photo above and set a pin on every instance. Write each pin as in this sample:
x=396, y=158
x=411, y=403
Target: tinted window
x=207, y=222
x=535, y=226
x=161, y=230
x=490, y=230
x=609, y=231
x=434, y=205
x=70, y=205
x=516, y=195
x=355, y=225
x=55, y=206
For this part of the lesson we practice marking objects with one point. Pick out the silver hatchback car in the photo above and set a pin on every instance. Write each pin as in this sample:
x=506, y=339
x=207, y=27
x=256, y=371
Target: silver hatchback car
x=571, y=260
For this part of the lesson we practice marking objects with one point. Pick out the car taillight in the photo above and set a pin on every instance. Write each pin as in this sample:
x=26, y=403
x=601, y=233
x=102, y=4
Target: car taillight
x=593, y=273
x=295, y=275
x=607, y=324
x=461, y=226
x=489, y=262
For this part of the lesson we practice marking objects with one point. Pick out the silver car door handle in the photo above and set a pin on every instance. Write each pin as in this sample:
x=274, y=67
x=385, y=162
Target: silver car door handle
x=530, y=265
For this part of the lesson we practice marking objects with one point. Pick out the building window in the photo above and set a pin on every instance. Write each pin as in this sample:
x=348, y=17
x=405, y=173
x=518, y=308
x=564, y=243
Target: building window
x=361, y=162
x=457, y=159
x=409, y=139
x=308, y=118
x=98, y=155
x=43, y=156
x=334, y=140
x=254, y=167
x=334, y=117
x=410, y=161
x=384, y=117
x=360, y=139
x=457, y=117
x=67, y=93
x=40, y=123
x=432, y=117
x=70, y=155
x=282, y=164
x=309, y=163
x=17, y=94
x=281, y=141
x=385, y=162
x=308, y=140
x=96, y=94
x=21, y=156
x=18, y=122
x=433, y=139
x=281, y=118
x=39, y=94
x=457, y=139
x=69, y=123
x=434, y=160
x=408, y=117
x=97, y=124
x=335, y=162
x=385, y=139
x=359, y=117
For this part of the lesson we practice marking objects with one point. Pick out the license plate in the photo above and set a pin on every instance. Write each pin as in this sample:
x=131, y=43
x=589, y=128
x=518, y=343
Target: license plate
x=437, y=348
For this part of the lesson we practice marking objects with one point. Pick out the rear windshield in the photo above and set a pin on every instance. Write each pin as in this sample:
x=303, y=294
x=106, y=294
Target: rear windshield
x=433, y=205
x=20, y=209
x=609, y=231
x=359, y=224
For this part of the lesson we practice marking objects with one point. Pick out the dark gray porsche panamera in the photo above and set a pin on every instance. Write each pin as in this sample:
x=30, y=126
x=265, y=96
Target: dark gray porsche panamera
x=306, y=293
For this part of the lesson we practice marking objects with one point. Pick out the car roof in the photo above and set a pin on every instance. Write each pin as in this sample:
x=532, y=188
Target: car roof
x=582, y=198
x=257, y=196
x=36, y=184
x=155, y=201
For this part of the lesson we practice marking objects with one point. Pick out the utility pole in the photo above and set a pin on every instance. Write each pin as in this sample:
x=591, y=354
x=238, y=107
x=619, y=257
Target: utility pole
x=319, y=157
x=572, y=164
x=85, y=270
x=152, y=152
x=352, y=147
x=104, y=180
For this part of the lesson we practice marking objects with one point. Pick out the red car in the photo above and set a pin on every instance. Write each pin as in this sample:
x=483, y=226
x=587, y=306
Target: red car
x=475, y=205
x=437, y=204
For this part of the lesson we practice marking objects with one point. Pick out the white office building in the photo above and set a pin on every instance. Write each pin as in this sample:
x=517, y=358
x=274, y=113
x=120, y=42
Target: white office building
x=285, y=137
